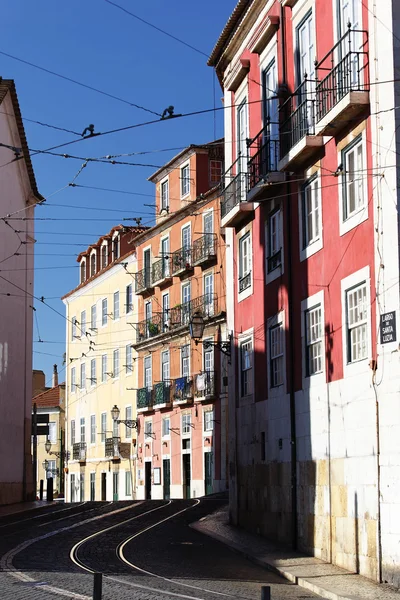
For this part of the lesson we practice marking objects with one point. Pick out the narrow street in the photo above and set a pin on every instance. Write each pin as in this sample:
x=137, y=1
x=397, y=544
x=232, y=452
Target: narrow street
x=145, y=550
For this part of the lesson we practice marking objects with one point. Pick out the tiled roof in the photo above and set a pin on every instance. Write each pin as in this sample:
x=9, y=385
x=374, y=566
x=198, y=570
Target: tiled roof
x=50, y=398
x=227, y=31
x=8, y=85
x=123, y=228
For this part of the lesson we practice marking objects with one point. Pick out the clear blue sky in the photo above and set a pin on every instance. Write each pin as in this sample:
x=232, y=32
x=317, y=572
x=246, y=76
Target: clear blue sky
x=96, y=43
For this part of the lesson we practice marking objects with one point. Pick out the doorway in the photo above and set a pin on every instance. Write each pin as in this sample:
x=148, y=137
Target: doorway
x=147, y=480
x=115, y=486
x=208, y=460
x=72, y=480
x=167, y=479
x=186, y=475
x=103, y=487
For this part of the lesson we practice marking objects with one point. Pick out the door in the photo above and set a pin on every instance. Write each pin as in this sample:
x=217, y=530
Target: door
x=147, y=372
x=270, y=151
x=115, y=486
x=209, y=294
x=306, y=72
x=103, y=487
x=208, y=229
x=146, y=266
x=167, y=478
x=147, y=315
x=186, y=475
x=147, y=480
x=73, y=490
x=242, y=148
x=350, y=12
x=186, y=243
x=185, y=304
x=92, y=486
x=208, y=460
x=165, y=257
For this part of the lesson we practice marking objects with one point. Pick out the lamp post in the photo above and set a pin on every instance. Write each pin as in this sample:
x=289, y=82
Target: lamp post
x=62, y=455
x=131, y=423
x=196, y=330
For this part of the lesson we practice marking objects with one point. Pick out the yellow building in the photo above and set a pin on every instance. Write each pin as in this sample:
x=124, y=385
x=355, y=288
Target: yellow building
x=101, y=372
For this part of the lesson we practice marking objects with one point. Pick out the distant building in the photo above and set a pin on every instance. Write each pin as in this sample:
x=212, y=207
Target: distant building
x=18, y=196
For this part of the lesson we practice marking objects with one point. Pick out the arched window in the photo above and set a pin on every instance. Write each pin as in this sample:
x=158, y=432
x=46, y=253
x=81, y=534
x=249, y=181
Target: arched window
x=83, y=270
x=92, y=264
x=104, y=256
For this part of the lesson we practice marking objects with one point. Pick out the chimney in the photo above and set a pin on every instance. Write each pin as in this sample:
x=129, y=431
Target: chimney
x=55, y=376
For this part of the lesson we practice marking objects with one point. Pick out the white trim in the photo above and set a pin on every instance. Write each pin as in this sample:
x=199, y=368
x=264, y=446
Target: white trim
x=181, y=167
x=249, y=290
x=116, y=234
x=316, y=245
x=307, y=304
x=103, y=244
x=278, y=319
x=119, y=305
x=162, y=181
x=279, y=271
x=93, y=253
x=362, y=214
x=242, y=337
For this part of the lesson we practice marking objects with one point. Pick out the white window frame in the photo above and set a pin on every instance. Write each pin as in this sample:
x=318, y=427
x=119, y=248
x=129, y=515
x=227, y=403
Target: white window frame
x=103, y=368
x=104, y=316
x=279, y=270
x=148, y=429
x=128, y=417
x=104, y=245
x=52, y=432
x=93, y=429
x=208, y=427
x=187, y=358
x=148, y=368
x=347, y=223
x=74, y=329
x=242, y=237
x=165, y=364
x=246, y=339
x=164, y=420
x=165, y=311
x=82, y=371
x=93, y=376
x=83, y=264
x=308, y=304
x=93, y=313
x=128, y=298
x=117, y=237
x=93, y=253
x=128, y=364
x=73, y=432
x=184, y=193
x=186, y=421
x=82, y=430
x=83, y=322
x=116, y=363
x=116, y=313
x=308, y=247
x=163, y=183
x=278, y=319
x=73, y=380
x=128, y=483
x=103, y=425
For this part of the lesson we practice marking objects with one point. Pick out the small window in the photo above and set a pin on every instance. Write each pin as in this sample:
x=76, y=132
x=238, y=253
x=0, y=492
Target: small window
x=83, y=376
x=83, y=271
x=104, y=314
x=128, y=417
x=92, y=429
x=103, y=426
x=128, y=483
x=93, y=378
x=93, y=317
x=186, y=424
x=246, y=367
x=215, y=171
x=128, y=359
x=357, y=323
x=244, y=262
x=83, y=430
x=73, y=380
x=311, y=213
x=72, y=432
x=353, y=179
x=104, y=256
x=166, y=426
x=52, y=432
x=116, y=305
x=185, y=180
x=104, y=368
x=115, y=247
x=83, y=322
x=208, y=420
x=165, y=195
x=148, y=430
x=92, y=264
x=128, y=301
x=116, y=363
x=274, y=243
x=313, y=340
x=276, y=354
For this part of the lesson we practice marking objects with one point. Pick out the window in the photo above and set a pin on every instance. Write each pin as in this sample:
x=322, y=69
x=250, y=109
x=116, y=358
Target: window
x=128, y=299
x=148, y=430
x=165, y=311
x=93, y=378
x=83, y=271
x=104, y=311
x=128, y=483
x=93, y=317
x=116, y=305
x=103, y=426
x=353, y=179
x=83, y=376
x=311, y=213
x=305, y=51
x=164, y=248
x=128, y=359
x=185, y=180
x=313, y=340
x=215, y=171
x=115, y=247
x=276, y=354
x=147, y=372
x=92, y=264
x=81, y=487
x=83, y=431
x=208, y=305
x=51, y=469
x=186, y=424
x=185, y=303
x=116, y=363
x=128, y=417
x=208, y=420
x=165, y=366
x=244, y=262
x=185, y=360
x=104, y=256
x=52, y=432
x=72, y=432
x=246, y=367
x=73, y=380
x=104, y=367
x=74, y=329
x=274, y=258
x=92, y=429
x=208, y=357
x=165, y=195
x=166, y=425
x=83, y=322
x=357, y=326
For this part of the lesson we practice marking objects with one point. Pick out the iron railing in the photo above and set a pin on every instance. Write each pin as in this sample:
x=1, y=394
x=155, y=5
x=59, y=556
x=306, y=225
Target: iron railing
x=182, y=389
x=143, y=280
x=204, y=248
x=79, y=451
x=205, y=383
x=144, y=398
x=181, y=260
x=264, y=157
x=234, y=187
x=162, y=393
x=245, y=282
x=347, y=66
x=150, y=327
x=111, y=446
x=160, y=270
x=298, y=116
x=274, y=261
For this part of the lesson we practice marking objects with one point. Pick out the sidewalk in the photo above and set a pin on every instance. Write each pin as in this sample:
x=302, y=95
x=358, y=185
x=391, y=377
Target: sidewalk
x=313, y=574
x=8, y=510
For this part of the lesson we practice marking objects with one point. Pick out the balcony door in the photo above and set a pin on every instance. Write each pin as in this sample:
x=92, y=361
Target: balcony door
x=209, y=294
x=165, y=256
x=186, y=243
x=269, y=153
x=242, y=135
x=147, y=372
x=350, y=12
x=208, y=228
x=305, y=73
x=147, y=267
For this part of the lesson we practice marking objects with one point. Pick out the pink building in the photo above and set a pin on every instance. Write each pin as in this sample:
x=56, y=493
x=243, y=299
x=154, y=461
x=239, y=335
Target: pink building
x=18, y=194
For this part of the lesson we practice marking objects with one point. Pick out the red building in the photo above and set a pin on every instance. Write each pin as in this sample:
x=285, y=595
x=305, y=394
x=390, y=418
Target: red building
x=310, y=213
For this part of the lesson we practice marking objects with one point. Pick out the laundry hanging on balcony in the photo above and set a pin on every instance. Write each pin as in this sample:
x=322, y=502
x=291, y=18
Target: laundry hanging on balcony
x=180, y=384
x=201, y=382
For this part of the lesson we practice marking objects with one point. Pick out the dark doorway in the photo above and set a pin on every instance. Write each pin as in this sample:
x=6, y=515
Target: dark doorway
x=167, y=478
x=104, y=487
x=147, y=480
x=186, y=475
x=208, y=460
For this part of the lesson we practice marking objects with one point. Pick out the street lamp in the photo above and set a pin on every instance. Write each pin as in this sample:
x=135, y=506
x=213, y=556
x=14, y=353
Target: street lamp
x=131, y=423
x=60, y=454
x=45, y=465
x=196, y=330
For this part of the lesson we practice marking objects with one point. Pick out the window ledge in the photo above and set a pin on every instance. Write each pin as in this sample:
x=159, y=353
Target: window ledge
x=311, y=249
x=354, y=220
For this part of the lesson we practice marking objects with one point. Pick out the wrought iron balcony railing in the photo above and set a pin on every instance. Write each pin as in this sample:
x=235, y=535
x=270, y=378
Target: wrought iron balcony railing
x=298, y=116
x=264, y=157
x=160, y=270
x=143, y=281
x=274, y=261
x=349, y=74
x=204, y=248
x=234, y=187
x=144, y=398
x=162, y=393
x=182, y=389
x=181, y=260
x=79, y=451
x=151, y=327
x=112, y=446
x=244, y=282
x=205, y=384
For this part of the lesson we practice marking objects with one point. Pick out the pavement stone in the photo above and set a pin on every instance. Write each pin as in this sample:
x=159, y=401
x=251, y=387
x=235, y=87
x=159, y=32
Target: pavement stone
x=324, y=579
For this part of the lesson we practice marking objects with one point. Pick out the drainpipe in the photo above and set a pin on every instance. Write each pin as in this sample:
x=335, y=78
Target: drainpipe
x=293, y=444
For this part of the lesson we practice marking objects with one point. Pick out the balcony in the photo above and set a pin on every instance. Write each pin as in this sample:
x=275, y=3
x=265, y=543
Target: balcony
x=205, y=385
x=234, y=204
x=143, y=281
x=182, y=261
x=144, y=400
x=299, y=144
x=182, y=390
x=244, y=282
x=161, y=272
x=151, y=327
x=112, y=447
x=262, y=167
x=274, y=261
x=343, y=94
x=204, y=249
x=79, y=451
x=162, y=395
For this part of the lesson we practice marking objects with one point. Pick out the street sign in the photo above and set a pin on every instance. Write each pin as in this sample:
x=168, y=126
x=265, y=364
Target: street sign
x=42, y=419
x=42, y=430
x=388, y=327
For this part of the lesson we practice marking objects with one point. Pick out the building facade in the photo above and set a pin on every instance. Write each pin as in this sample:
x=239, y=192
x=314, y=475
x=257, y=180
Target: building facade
x=19, y=194
x=310, y=210
x=101, y=370
x=181, y=397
